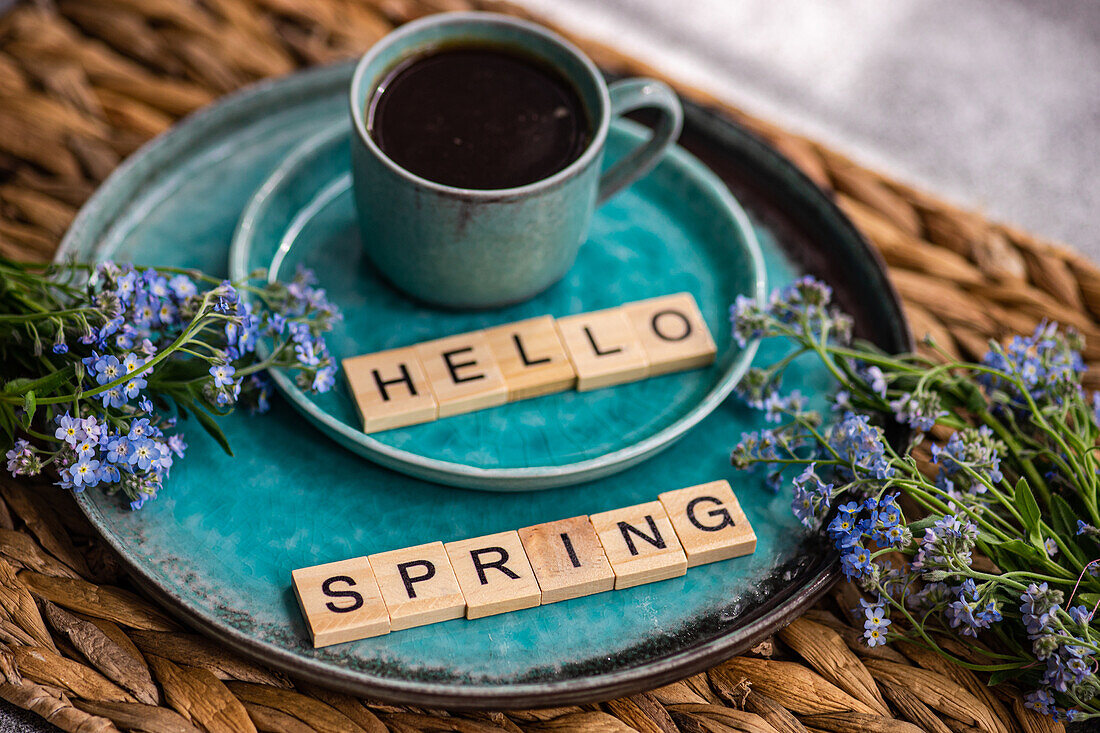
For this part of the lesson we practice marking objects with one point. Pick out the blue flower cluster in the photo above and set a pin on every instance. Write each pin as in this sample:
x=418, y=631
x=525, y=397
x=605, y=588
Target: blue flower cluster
x=919, y=410
x=969, y=460
x=1048, y=364
x=806, y=303
x=1070, y=662
x=135, y=462
x=172, y=338
x=861, y=445
x=969, y=612
x=1020, y=463
x=875, y=621
x=812, y=497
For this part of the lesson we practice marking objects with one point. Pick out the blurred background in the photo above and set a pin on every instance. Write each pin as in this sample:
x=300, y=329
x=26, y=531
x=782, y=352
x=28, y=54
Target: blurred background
x=994, y=104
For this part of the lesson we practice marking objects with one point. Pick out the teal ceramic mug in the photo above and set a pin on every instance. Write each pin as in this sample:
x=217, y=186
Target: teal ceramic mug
x=474, y=248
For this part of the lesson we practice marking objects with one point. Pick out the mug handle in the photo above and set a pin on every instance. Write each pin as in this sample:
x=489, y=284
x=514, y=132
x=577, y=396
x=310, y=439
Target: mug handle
x=626, y=96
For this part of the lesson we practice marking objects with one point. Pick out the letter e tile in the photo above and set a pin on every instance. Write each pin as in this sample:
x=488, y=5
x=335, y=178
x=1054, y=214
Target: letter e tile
x=418, y=585
x=673, y=333
x=390, y=389
x=532, y=358
x=640, y=543
x=568, y=559
x=710, y=523
x=463, y=373
x=340, y=601
x=494, y=574
x=603, y=349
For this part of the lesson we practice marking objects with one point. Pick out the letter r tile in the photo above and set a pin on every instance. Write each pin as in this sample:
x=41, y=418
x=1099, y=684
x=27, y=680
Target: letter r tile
x=390, y=389
x=640, y=544
x=340, y=601
x=710, y=523
x=418, y=585
x=463, y=373
x=494, y=574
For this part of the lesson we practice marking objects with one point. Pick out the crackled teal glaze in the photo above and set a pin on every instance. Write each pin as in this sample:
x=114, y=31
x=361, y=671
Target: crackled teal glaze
x=678, y=229
x=220, y=542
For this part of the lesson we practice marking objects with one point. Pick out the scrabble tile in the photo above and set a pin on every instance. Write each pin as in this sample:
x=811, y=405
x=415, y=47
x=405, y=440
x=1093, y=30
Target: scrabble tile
x=418, y=585
x=532, y=358
x=341, y=601
x=709, y=522
x=390, y=389
x=673, y=333
x=603, y=348
x=494, y=574
x=640, y=544
x=463, y=374
x=568, y=559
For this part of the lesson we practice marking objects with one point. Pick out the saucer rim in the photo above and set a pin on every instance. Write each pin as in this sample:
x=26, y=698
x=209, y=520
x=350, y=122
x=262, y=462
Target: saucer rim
x=512, y=479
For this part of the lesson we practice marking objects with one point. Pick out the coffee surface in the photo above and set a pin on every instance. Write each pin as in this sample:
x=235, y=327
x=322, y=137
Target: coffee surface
x=478, y=118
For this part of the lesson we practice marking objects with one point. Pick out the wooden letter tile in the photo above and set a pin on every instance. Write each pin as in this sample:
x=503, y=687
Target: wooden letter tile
x=568, y=559
x=418, y=585
x=341, y=601
x=391, y=389
x=463, y=374
x=603, y=349
x=532, y=358
x=709, y=522
x=640, y=543
x=673, y=333
x=494, y=574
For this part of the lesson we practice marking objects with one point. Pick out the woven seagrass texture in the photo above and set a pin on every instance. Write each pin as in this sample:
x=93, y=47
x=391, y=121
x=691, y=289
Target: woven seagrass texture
x=83, y=83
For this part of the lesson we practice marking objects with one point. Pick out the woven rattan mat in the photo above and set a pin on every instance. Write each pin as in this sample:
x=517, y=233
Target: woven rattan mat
x=84, y=82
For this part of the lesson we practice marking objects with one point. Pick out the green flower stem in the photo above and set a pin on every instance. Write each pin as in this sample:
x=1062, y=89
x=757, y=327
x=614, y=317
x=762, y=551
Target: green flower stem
x=182, y=339
x=42, y=314
x=1033, y=476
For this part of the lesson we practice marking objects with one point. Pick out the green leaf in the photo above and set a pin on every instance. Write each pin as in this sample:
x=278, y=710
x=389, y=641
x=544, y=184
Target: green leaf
x=1004, y=675
x=922, y=524
x=1088, y=599
x=211, y=426
x=1028, y=509
x=29, y=405
x=1063, y=516
x=972, y=394
x=15, y=386
x=1016, y=554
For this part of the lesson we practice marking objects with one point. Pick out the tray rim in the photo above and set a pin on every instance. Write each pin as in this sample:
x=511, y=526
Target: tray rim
x=653, y=674
x=513, y=479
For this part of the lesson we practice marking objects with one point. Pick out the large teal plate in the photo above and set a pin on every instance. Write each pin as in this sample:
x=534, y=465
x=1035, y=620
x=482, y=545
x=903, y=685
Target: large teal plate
x=676, y=230
x=219, y=544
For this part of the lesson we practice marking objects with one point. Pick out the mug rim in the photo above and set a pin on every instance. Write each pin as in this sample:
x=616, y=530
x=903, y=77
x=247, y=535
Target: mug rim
x=590, y=153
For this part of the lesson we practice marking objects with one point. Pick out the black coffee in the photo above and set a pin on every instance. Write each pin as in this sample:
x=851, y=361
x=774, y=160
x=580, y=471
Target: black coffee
x=478, y=117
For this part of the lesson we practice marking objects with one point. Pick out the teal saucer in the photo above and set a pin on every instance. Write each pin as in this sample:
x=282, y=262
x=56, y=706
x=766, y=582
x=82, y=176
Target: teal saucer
x=218, y=546
x=676, y=230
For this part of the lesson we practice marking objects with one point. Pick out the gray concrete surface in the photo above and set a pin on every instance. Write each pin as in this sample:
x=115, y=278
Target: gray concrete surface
x=991, y=103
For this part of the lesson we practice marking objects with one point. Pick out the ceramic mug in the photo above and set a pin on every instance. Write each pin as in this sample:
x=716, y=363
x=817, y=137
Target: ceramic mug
x=472, y=248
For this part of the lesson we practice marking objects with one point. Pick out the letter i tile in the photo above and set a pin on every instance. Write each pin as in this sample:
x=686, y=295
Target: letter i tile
x=418, y=585
x=494, y=574
x=567, y=558
x=341, y=601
